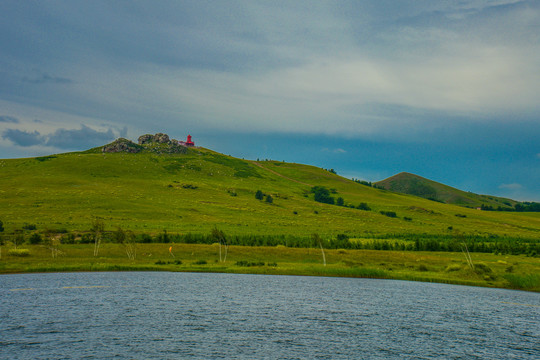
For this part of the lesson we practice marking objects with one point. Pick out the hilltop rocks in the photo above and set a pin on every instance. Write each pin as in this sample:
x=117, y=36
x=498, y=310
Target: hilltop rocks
x=122, y=145
x=158, y=144
x=159, y=138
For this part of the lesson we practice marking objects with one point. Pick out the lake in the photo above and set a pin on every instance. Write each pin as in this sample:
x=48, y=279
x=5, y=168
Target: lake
x=161, y=315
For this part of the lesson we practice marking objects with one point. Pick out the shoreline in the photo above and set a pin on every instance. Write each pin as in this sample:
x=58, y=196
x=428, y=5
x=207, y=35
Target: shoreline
x=513, y=272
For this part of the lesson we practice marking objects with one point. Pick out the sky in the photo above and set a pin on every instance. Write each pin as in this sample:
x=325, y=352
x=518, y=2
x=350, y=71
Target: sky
x=448, y=90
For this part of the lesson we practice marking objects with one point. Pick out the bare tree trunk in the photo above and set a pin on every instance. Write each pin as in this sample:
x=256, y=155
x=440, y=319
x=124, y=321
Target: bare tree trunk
x=226, y=251
x=97, y=243
x=317, y=239
x=467, y=256
x=97, y=228
x=220, y=252
x=323, y=256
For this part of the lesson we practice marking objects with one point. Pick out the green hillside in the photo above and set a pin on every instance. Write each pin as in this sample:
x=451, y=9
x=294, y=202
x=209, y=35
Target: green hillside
x=195, y=190
x=407, y=183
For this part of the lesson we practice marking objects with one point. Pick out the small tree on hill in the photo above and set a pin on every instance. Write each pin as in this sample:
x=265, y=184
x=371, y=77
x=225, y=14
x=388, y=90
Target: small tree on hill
x=363, y=206
x=269, y=199
x=259, y=195
x=322, y=195
x=340, y=201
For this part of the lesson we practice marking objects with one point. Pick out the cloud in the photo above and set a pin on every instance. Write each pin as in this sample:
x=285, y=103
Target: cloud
x=513, y=186
x=47, y=79
x=71, y=139
x=9, y=119
x=23, y=138
x=79, y=138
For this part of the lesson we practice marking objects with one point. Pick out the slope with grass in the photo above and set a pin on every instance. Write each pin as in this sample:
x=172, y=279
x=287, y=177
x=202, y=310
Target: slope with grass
x=195, y=191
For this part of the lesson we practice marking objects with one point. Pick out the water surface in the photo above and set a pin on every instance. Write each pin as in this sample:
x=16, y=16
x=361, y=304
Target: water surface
x=159, y=315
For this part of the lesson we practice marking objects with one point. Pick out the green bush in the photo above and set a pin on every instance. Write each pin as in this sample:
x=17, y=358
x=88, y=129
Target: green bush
x=481, y=268
x=68, y=239
x=530, y=281
x=363, y=206
x=144, y=238
x=19, y=252
x=248, y=264
x=322, y=195
x=453, y=267
x=422, y=267
x=86, y=239
x=34, y=239
x=391, y=214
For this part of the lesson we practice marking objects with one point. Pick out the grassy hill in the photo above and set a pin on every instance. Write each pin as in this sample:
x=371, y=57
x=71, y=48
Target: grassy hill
x=198, y=189
x=407, y=183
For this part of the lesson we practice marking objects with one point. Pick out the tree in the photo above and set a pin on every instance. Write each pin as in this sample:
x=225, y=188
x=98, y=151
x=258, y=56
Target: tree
x=340, y=201
x=1, y=230
x=342, y=241
x=322, y=195
x=219, y=237
x=35, y=238
x=18, y=239
x=97, y=232
x=127, y=239
x=317, y=239
x=269, y=199
x=363, y=206
x=53, y=242
x=259, y=195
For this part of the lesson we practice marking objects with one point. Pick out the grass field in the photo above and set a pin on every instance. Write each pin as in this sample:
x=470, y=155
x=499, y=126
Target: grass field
x=503, y=271
x=201, y=190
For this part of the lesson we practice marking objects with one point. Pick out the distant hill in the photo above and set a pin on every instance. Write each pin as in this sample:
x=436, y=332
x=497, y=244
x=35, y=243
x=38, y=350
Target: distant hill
x=412, y=184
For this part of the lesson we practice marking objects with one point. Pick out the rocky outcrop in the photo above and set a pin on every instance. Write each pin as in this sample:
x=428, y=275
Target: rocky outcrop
x=122, y=145
x=159, y=138
x=158, y=144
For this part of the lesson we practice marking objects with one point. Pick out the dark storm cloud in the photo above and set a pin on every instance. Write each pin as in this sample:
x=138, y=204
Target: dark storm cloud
x=23, y=138
x=82, y=138
x=9, y=119
x=67, y=139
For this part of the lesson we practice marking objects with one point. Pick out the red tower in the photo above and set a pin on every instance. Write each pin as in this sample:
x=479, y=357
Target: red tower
x=189, y=142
